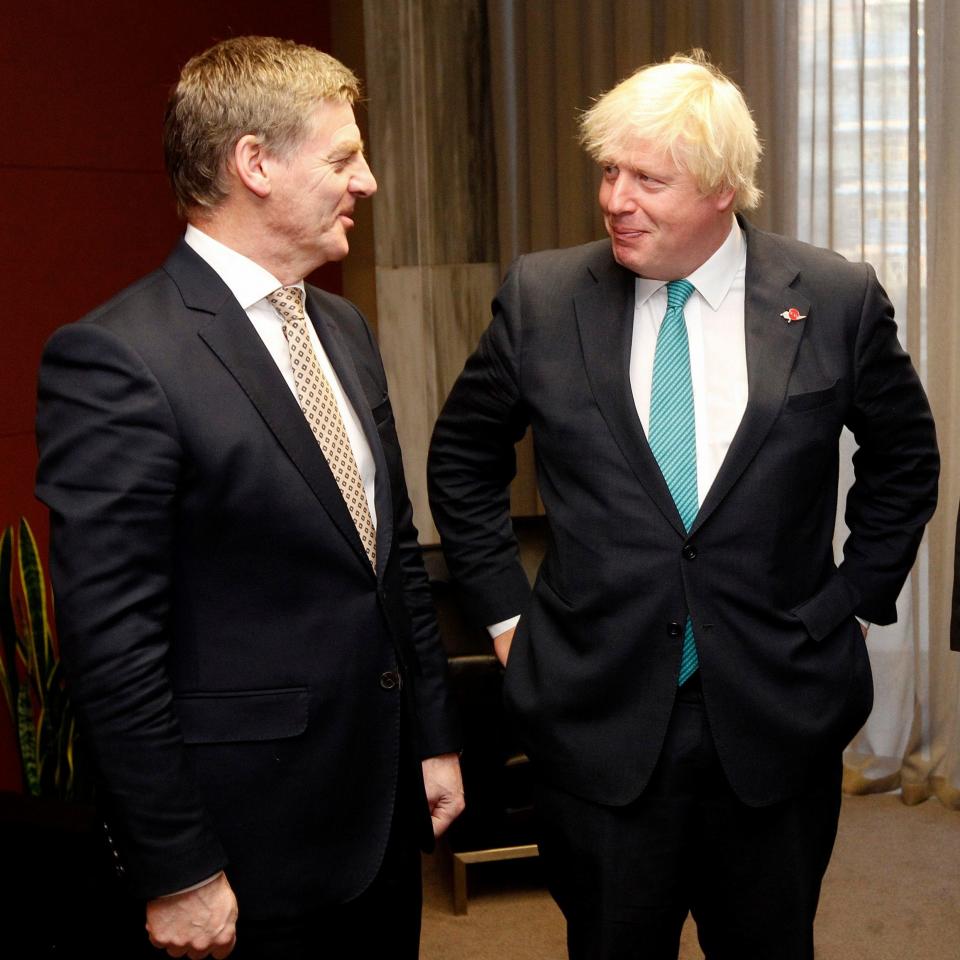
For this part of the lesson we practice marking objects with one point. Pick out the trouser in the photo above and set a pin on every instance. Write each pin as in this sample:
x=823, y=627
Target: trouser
x=626, y=877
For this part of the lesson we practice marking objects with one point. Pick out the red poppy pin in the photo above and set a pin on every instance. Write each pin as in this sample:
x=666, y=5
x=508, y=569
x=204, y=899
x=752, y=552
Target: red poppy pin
x=793, y=315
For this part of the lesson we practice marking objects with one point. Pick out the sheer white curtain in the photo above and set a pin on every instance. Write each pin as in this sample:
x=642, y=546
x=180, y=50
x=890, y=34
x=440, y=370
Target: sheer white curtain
x=861, y=190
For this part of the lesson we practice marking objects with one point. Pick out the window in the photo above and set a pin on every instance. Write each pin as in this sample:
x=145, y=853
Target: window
x=857, y=186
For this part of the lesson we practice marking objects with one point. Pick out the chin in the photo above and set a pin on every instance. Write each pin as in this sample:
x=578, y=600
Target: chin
x=629, y=260
x=335, y=254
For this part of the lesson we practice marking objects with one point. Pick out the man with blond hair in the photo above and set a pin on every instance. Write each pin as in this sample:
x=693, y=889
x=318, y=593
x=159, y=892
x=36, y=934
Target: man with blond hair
x=689, y=665
x=243, y=612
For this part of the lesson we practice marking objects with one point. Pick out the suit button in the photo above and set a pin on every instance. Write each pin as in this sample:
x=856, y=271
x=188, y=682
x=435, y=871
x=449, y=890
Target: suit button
x=390, y=680
x=674, y=629
x=689, y=552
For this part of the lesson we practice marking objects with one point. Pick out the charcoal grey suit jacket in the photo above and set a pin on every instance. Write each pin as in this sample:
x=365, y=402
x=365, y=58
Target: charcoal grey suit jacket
x=592, y=673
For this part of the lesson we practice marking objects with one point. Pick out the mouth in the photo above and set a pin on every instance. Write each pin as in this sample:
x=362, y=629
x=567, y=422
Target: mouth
x=347, y=220
x=627, y=233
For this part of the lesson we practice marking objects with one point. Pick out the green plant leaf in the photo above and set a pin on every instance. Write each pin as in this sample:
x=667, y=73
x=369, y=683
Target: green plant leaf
x=50, y=743
x=27, y=739
x=68, y=756
x=37, y=626
x=32, y=674
x=41, y=753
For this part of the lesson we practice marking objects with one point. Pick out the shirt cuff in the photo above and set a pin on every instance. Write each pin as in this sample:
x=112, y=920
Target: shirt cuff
x=196, y=886
x=503, y=626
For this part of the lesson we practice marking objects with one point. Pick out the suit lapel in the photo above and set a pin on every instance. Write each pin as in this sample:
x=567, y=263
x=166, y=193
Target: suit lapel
x=604, y=311
x=227, y=331
x=342, y=361
x=771, y=345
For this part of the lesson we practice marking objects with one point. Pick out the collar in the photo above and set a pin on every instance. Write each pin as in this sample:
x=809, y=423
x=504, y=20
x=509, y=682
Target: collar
x=247, y=280
x=713, y=278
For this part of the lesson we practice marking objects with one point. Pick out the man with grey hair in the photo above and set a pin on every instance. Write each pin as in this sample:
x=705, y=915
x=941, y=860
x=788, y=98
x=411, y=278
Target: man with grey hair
x=243, y=613
x=689, y=664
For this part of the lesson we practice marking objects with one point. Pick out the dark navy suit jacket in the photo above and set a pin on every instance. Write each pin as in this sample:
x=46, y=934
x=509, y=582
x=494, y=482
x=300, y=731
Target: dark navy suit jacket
x=232, y=653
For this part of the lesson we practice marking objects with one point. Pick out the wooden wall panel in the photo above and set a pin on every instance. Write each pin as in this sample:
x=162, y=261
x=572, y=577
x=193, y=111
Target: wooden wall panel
x=435, y=215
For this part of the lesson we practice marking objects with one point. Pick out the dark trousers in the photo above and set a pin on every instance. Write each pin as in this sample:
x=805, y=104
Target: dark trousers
x=626, y=877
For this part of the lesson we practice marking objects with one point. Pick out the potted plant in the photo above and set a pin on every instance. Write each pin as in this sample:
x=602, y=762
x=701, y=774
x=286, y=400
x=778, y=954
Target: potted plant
x=50, y=832
x=32, y=677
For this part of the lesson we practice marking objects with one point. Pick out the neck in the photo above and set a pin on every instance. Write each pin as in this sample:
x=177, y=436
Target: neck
x=250, y=238
x=713, y=241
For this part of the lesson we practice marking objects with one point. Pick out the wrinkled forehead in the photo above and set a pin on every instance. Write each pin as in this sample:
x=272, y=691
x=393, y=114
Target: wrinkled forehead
x=329, y=115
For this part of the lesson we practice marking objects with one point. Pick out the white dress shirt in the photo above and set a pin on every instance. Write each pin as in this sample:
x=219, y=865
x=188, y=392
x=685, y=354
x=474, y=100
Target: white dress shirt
x=718, y=352
x=251, y=284
x=714, y=316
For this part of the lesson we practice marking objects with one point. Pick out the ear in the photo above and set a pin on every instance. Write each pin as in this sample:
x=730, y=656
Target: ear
x=248, y=158
x=724, y=199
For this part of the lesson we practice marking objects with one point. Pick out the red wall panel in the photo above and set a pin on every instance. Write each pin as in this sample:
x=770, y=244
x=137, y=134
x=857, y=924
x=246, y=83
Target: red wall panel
x=86, y=207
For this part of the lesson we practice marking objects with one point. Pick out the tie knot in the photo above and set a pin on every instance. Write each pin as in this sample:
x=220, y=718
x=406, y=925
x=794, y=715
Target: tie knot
x=288, y=302
x=678, y=293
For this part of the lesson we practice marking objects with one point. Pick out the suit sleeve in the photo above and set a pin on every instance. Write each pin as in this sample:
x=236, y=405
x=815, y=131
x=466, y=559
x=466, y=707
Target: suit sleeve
x=472, y=462
x=108, y=471
x=896, y=465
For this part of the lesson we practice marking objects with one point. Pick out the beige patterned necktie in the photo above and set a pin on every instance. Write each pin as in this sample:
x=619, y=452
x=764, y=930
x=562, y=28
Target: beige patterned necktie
x=320, y=408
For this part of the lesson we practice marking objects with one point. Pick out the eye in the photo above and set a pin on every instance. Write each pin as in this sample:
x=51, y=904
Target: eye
x=610, y=171
x=341, y=163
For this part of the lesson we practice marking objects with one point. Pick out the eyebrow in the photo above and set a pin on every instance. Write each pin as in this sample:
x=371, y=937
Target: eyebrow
x=649, y=170
x=346, y=148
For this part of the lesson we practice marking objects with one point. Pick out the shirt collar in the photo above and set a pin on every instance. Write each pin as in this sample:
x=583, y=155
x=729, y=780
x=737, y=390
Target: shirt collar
x=247, y=280
x=713, y=278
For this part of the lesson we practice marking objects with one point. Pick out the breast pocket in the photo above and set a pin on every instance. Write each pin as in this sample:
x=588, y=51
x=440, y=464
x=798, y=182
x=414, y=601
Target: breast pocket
x=813, y=400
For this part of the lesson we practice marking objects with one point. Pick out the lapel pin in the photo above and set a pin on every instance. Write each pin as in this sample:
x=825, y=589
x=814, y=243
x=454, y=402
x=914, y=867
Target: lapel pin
x=793, y=315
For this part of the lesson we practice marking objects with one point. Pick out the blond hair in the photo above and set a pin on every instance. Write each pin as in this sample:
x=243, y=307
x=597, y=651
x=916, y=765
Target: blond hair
x=245, y=85
x=688, y=109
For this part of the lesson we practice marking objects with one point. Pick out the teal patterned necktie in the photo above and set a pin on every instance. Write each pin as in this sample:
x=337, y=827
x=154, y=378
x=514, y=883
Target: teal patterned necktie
x=673, y=429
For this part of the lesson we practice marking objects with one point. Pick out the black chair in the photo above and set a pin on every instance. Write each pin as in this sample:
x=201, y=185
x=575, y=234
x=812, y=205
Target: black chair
x=498, y=821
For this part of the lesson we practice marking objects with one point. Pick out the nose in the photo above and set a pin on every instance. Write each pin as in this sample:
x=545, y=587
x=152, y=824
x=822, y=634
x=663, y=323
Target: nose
x=616, y=196
x=363, y=183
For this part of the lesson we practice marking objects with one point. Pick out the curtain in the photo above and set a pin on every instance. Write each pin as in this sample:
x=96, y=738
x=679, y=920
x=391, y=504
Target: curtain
x=938, y=769
x=872, y=120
